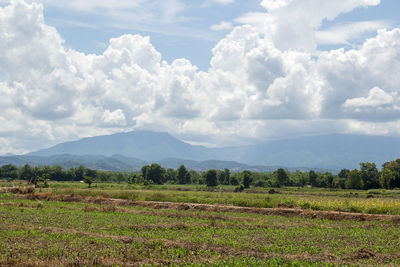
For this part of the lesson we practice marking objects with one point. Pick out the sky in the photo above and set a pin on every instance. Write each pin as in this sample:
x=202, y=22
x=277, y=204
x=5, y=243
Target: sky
x=211, y=72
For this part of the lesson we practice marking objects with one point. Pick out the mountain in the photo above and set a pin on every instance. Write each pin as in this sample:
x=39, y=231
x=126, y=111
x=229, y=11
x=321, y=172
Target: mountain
x=326, y=151
x=113, y=163
x=145, y=145
x=123, y=163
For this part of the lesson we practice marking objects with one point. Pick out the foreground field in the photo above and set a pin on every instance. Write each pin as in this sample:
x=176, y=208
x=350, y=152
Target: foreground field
x=371, y=202
x=70, y=230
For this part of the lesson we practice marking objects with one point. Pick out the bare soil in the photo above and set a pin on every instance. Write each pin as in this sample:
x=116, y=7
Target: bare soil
x=287, y=212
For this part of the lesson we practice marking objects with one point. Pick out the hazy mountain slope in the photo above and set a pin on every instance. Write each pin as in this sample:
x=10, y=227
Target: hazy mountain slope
x=328, y=151
x=145, y=145
x=123, y=163
x=113, y=163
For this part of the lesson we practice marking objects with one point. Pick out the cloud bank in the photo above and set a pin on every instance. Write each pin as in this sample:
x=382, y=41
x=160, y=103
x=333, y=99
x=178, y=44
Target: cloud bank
x=262, y=82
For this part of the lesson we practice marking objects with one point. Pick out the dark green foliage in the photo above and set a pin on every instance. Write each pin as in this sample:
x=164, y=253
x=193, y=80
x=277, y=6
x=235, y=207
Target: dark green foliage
x=247, y=179
x=195, y=177
x=224, y=176
x=339, y=182
x=171, y=176
x=354, y=180
x=344, y=173
x=26, y=172
x=9, y=172
x=298, y=178
x=57, y=173
x=88, y=180
x=153, y=173
x=234, y=180
x=390, y=175
x=369, y=174
x=240, y=188
x=368, y=177
x=211, y=177
x=282, y=177
x=312, y=176
x=183, y=175
x=119, y=177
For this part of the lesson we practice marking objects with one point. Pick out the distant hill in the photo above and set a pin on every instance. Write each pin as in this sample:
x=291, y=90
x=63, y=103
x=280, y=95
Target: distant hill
x=324, y=152
x=113, y=163
x=123, y=163
x=145, y=145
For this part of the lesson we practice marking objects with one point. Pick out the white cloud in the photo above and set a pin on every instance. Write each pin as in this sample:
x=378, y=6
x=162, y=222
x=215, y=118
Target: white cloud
x=255, y=88
x=293, y=23
x=275, y=4
x=343, y=34
x=222, y=2
x=376, y=97
x=222, y=26
x=115, y=118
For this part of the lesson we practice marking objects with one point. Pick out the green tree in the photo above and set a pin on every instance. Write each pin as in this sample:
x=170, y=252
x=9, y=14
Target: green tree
x=234, y=179
x=26, y=172
x=183, y=175
x=343, y=173
x=79, y=173
x=91, y=173
x=369, y=174
x=43, y=180
x=9, y=171
x=119, y=177
x=298, y=178
x=282, y=177
x=37, y=172
x=324, y=180
x=227, y=176
x=154, y=173
x=390, y=175
x=57, y=173
x=211, y=178
x=171, y=175
x=354, y=180
x=70, y=175
x=195, y=177
x=388, y=178
x=88, y=180
x=312, y=176
x=247, y=179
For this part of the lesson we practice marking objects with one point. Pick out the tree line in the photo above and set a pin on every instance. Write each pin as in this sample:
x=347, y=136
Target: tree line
x=366, y=177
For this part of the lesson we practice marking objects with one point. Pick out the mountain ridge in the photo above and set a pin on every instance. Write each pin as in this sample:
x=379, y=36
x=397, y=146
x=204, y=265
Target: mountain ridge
x=333, y=151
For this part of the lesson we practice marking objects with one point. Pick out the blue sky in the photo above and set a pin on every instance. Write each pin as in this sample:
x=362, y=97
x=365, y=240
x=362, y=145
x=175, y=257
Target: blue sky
x=90, y=33
x=213, y=72
x=92, y=36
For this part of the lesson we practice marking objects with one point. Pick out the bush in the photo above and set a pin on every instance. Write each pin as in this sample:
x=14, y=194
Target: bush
x=240, y=188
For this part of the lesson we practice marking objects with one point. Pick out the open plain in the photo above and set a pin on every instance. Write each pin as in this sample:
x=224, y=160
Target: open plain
x=123, y=225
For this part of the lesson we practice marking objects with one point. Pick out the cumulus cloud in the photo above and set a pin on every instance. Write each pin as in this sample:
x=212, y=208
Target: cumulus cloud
x=257, y=85
x=376, y=97
x=344, y=33
x=115, y=118
x=289, y=23
x=222, y=26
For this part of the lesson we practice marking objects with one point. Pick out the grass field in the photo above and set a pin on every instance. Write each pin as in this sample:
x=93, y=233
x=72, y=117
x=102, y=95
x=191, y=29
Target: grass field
x=70, y=225
x=371, y=202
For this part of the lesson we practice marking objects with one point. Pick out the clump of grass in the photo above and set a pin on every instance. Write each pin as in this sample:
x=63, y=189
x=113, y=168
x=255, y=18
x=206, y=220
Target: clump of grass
x=108, y=208
x=24, y=190
x=39, y=205
x=89, y=208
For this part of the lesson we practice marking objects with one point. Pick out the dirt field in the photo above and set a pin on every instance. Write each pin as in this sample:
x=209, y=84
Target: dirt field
x=45, y=229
